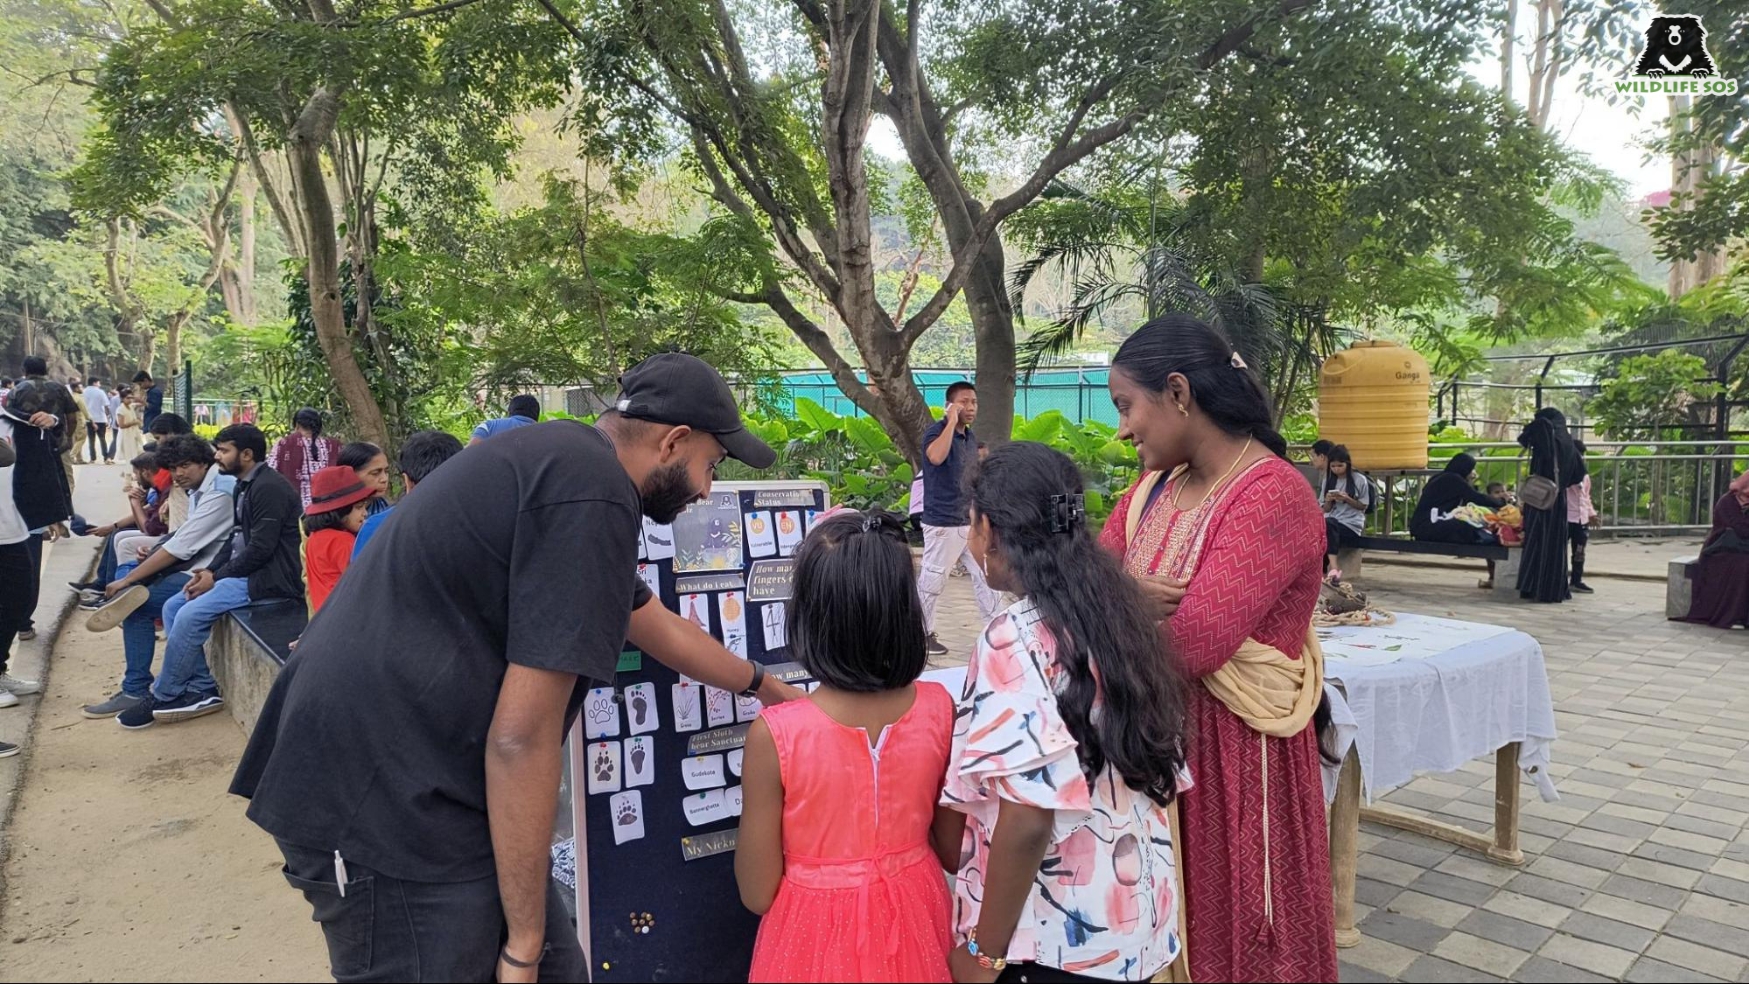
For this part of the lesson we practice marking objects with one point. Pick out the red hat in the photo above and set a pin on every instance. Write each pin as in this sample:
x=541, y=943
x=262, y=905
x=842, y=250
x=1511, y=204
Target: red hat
x=336, y=487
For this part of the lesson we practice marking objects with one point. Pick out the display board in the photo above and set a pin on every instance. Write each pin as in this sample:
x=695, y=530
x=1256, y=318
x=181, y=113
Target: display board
x=656, y=759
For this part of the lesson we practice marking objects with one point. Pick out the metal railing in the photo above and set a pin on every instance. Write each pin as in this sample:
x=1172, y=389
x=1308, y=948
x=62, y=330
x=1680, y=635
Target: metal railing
x=1639, y=487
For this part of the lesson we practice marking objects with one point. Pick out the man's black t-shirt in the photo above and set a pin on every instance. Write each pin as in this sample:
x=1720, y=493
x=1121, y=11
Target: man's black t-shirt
x=522, y=550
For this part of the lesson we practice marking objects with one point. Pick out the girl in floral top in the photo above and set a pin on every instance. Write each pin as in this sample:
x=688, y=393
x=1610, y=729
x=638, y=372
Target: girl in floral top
x=1067, y=750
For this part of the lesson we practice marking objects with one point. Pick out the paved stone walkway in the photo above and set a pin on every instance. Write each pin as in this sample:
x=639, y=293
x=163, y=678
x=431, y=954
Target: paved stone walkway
x=1639, y=873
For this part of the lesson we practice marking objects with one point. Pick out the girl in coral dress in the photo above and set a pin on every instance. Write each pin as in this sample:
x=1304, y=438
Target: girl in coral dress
x=841, y=846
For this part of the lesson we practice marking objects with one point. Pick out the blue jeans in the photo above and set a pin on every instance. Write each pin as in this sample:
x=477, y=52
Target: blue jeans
x=187, y=624
x=138, y=637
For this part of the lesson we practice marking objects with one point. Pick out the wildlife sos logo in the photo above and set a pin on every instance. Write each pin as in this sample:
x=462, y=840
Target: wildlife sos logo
x=1675, y=61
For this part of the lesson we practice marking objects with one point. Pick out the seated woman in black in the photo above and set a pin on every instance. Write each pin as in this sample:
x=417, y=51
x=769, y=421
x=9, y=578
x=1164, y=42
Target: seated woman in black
x=1443, y=493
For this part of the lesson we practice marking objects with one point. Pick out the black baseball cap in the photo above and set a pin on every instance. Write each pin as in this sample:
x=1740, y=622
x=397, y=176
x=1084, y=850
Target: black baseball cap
x=683, y=390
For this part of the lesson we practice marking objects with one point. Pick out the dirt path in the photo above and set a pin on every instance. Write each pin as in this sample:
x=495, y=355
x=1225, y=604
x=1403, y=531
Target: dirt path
x=128, y=859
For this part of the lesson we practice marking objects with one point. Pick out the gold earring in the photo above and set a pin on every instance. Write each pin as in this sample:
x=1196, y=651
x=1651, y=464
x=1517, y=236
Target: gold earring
x=1182, y=410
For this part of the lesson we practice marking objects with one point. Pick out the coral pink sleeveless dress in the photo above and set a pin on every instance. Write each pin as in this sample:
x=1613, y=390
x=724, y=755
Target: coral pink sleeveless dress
x=863, y=897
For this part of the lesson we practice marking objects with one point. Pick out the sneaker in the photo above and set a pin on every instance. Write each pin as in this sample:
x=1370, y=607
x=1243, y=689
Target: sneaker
x=935, y=646
x=193, y=704
x=138, y=717
x=118, y=702
x=25, y=635
x=111, y=614
x=8, y=699
x=7, y=749
x=1583, y=588
x=85, y=586
x=91, y=600
x=22, y=688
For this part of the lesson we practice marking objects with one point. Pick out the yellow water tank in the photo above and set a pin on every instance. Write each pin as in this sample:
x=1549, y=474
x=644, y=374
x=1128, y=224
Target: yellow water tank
x=1373, y=398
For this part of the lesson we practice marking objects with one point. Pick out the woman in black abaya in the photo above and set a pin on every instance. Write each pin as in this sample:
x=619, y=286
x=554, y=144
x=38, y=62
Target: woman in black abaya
x=1542, y=570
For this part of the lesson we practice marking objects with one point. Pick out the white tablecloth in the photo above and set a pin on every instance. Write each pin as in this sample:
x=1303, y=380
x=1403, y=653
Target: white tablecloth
x=1429, y=694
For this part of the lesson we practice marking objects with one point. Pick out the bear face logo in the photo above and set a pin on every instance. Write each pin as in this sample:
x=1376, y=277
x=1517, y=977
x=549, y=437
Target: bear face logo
x=1675, y=45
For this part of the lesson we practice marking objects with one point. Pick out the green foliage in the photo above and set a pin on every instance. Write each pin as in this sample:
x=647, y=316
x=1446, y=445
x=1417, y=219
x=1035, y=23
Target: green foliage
x=1654, y=393
x=862, y=469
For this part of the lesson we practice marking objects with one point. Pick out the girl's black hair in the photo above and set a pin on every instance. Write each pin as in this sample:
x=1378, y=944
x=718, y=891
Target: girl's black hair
x=358, y=454
x=1107, y=645
x=310, y=419
x=855, y=621
x=333, y=519
x=1233, y=397
x=1339, y=454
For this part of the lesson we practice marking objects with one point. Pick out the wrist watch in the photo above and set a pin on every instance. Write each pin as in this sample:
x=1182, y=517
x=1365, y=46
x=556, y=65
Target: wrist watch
x=758, y=679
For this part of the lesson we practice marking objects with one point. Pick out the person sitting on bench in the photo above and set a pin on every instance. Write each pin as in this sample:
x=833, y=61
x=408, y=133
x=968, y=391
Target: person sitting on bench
x=1347, y=496
x=1444, y=493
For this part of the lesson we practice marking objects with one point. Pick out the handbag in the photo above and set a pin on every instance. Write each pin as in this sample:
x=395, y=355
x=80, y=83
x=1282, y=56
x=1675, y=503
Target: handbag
x=1538, y=492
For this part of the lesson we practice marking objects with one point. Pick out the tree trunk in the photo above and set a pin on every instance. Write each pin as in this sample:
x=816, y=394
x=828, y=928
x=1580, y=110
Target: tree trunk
x=327, y=310
x=1688, y=171
x=1508, y=39
x=173, y=341
x=243, y=273
x=992, y=314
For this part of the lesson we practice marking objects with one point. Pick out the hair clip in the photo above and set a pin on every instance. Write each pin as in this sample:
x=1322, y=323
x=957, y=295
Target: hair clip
x=1238, y=363
x=1068, y=511
x=870, y=521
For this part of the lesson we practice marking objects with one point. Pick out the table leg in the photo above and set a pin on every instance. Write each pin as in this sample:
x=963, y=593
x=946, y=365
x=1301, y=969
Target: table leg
x=1344, y=848
x=1505, y=847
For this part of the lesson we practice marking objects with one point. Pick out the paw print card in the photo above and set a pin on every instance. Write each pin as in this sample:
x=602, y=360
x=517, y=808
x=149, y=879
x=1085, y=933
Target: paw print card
x=603, y=763
x=626, y=814
x=601, y=713
x=640, y=765
x=641, y=714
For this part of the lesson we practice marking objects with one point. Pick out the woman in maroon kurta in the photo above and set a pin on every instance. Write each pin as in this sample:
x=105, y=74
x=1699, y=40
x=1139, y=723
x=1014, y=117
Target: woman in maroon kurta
x=1721, y=582
x=1230, y=546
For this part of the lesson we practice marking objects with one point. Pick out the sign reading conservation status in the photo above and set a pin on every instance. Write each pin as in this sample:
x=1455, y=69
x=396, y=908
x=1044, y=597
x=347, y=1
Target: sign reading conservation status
x=656, y=757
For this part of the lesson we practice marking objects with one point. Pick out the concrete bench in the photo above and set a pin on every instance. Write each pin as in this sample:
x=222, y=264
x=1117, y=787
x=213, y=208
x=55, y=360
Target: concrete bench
x=1679, y=587
x=247, y=648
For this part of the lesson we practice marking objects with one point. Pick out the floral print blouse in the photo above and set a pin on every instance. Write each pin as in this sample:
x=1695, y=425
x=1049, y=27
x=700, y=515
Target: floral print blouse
x=1105, y=900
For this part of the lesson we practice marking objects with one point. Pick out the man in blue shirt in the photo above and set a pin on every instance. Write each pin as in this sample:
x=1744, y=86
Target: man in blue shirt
x=420, y=456
x=949, y=448
x=523, y=410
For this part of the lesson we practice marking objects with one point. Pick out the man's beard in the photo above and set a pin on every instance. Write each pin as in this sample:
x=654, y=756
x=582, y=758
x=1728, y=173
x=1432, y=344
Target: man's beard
x=666, y=492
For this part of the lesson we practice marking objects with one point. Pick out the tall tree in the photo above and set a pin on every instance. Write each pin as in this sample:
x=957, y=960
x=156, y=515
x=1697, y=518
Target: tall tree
x=352, y=96
x=781, y=138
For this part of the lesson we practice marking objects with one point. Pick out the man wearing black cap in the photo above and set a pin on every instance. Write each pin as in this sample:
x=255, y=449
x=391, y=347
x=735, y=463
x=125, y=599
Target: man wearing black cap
x=408, y=757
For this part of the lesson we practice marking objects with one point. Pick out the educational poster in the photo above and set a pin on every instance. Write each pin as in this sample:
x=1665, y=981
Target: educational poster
x=775, y=620
x=658, y=761
x=761, y=538
x=658, y=540
x=707, y=536
x=732, y=616
x=697, y=610
x=789, y=532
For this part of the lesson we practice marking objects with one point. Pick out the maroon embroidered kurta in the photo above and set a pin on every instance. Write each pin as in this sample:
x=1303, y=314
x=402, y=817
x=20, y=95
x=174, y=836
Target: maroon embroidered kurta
x=1255, y=913
x=298, y=457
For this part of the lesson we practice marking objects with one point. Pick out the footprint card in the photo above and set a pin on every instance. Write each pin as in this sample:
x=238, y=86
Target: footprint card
x=600, y=714
x=732, y=801
x=703, y=771
x=746, y=708
x=705, y=807
x=735, y=762
x=641, y=716
x=719, y=707
x=627, y=813
x=813, y=516
x=732, y=616
x=640, y=766
x=696, y=608
x=789, y=532
x=658, y=540
x=761, y=538
x=651, y=577
x=604, y=767
x=688, y=707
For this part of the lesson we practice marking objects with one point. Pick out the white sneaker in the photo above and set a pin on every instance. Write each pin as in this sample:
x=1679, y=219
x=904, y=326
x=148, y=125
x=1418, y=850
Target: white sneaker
x=7, y=699
x=20, y=687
